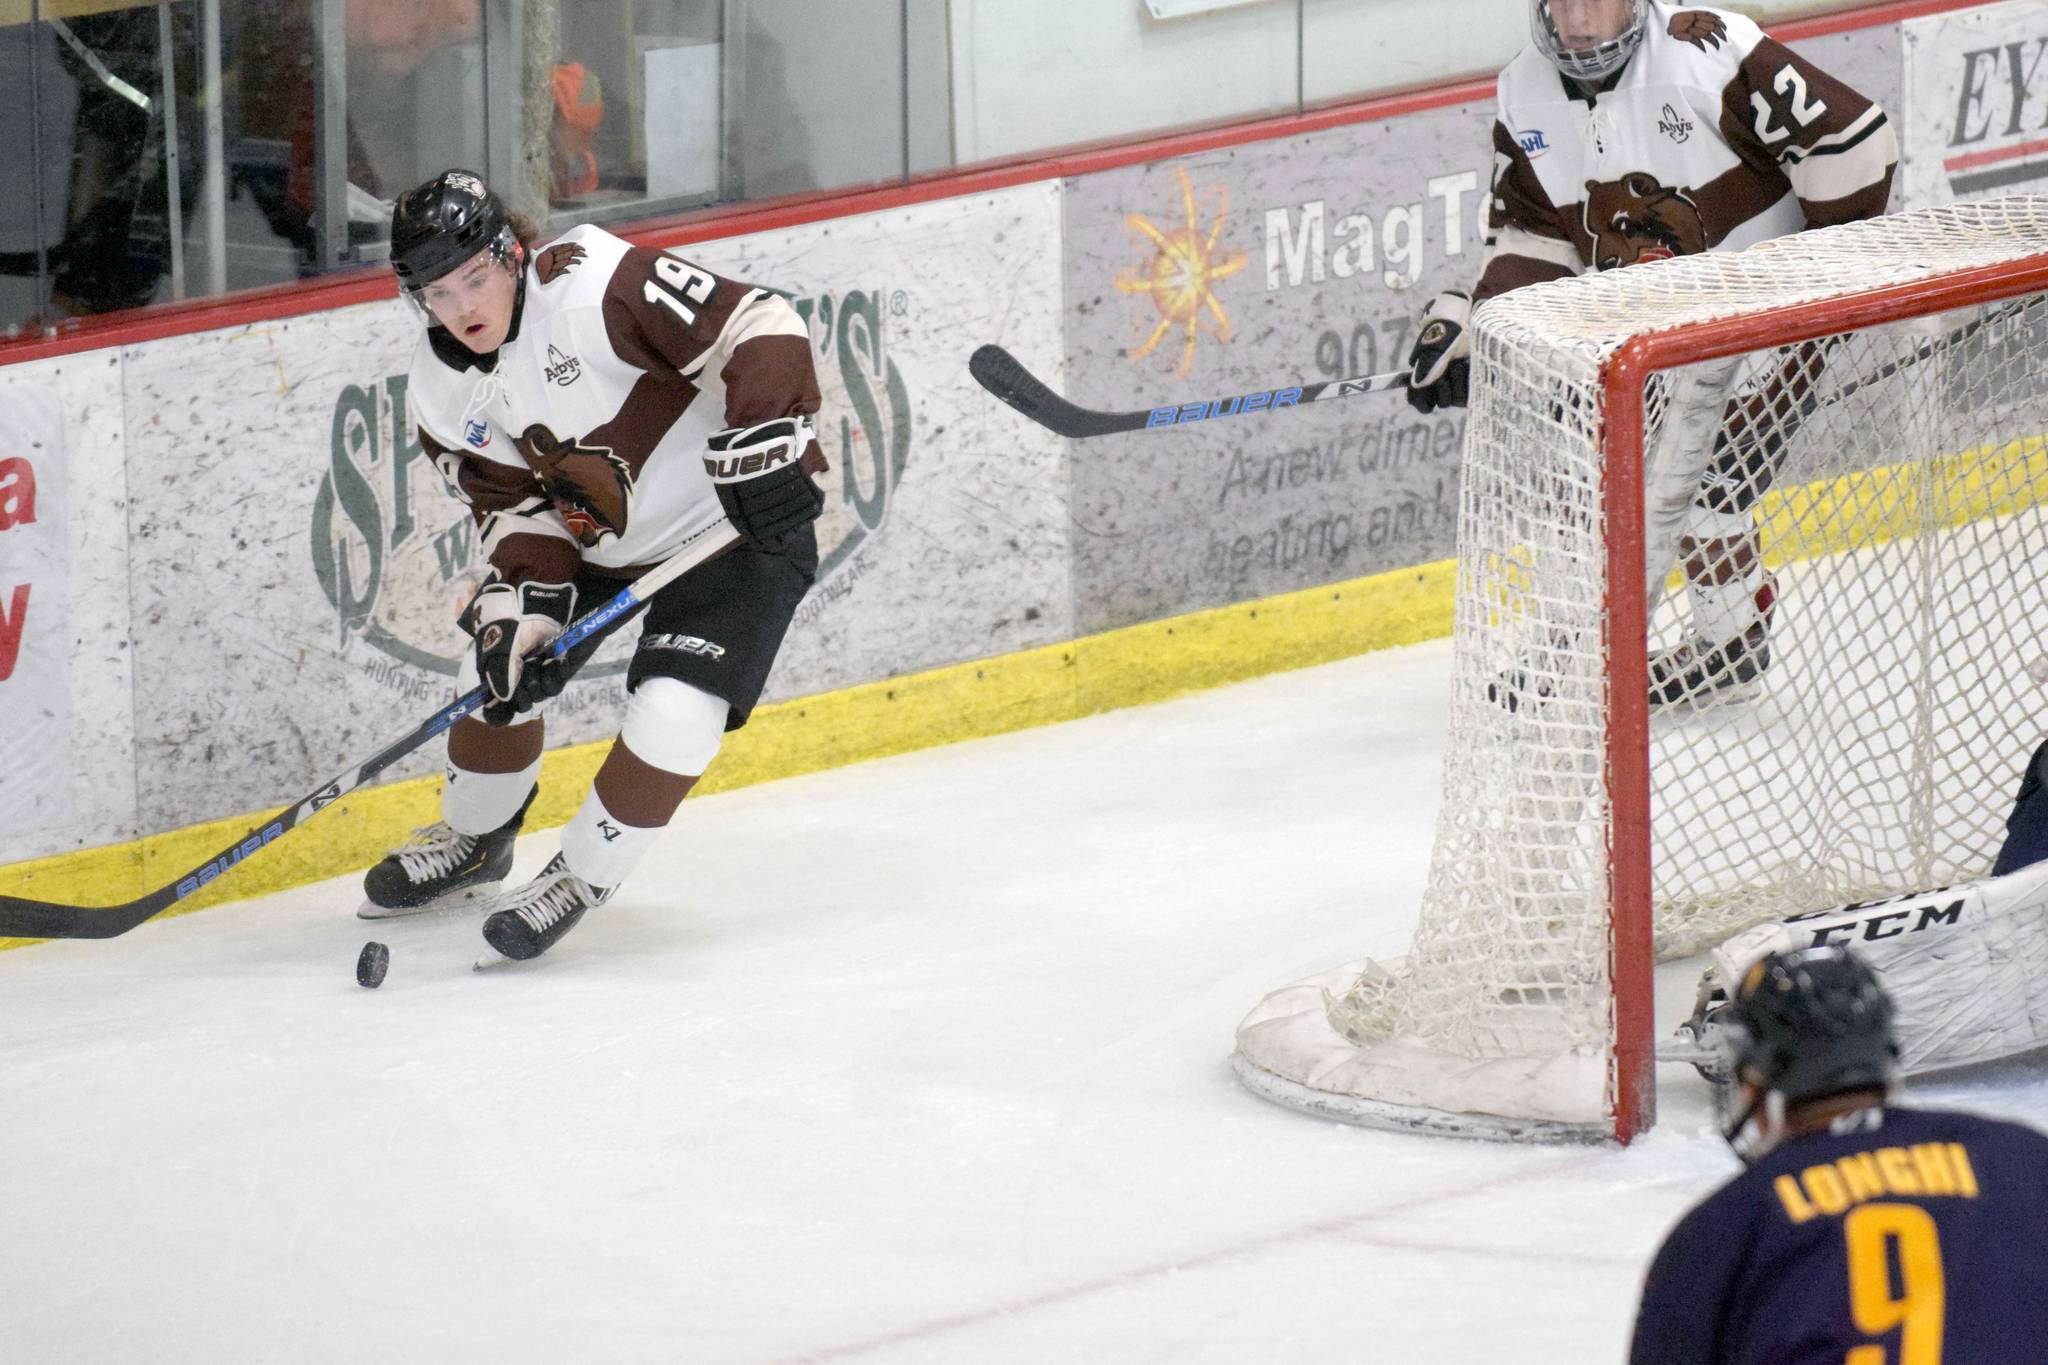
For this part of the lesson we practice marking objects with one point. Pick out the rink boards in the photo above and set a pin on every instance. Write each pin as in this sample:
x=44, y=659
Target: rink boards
x=257, y=571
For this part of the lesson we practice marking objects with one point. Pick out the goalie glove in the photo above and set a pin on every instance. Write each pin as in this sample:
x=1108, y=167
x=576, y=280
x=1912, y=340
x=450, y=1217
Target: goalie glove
x=1440, y=365
x=763, y=477
x=509, y=622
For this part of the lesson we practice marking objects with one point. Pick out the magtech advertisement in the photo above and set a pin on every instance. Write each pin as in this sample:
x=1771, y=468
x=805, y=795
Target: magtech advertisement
x=1271, y=264
x=1251, y=269
x=1977, y=102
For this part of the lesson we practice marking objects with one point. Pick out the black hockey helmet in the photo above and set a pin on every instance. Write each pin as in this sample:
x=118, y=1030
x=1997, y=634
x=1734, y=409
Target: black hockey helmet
x=1812, y=1022
x=439, y=225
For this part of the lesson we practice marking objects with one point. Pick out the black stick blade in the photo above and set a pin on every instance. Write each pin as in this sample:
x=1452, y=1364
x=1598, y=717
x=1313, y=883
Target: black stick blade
x=40, y=919
x=1003, y=375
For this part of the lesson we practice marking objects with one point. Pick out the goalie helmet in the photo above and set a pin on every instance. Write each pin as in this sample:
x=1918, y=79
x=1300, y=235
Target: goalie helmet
x=1805, y=1024
x=1600, y=60
x=439, y=225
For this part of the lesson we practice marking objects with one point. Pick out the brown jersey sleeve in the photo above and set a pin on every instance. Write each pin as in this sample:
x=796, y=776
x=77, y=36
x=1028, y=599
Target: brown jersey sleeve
x=672, y=319
x=662, y=312
x=1526, y=239
x=1792, y=123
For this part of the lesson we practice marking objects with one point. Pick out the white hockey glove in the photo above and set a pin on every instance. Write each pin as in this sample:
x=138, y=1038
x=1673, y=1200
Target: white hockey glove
x=763, y=477
x=1440, y=365
x=509, y=622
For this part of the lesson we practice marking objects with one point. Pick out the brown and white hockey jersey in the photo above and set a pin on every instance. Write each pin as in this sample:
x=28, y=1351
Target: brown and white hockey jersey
x=1714, y=137
x=584, y=442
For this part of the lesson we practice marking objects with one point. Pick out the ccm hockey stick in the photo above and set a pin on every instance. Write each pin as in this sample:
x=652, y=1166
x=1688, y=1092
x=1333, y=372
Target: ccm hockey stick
x=20, y=918
x=1003, y=375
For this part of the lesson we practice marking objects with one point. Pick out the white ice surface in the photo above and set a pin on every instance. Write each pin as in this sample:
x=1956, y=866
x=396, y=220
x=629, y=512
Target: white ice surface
x=923, y=1060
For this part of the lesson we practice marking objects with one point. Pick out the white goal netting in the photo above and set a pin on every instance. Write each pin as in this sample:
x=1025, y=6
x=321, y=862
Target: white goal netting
x=1842, y=537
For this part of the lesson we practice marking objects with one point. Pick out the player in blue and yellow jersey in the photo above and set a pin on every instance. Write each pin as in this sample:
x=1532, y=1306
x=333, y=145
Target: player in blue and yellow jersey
x=1862, y=1233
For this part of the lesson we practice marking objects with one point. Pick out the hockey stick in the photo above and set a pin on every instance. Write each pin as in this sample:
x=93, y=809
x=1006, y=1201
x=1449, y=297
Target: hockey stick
x=1003, y=375
x=1817, y=398
x=20, y=918
x=1927, y=350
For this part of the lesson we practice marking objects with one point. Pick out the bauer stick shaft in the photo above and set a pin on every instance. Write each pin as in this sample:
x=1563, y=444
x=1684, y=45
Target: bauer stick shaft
x=1003, y=375
x=20, y=918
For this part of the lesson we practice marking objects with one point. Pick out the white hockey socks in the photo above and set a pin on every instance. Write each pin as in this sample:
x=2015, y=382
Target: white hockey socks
x=478, y=803
x=602, y=849
x=1722, y=611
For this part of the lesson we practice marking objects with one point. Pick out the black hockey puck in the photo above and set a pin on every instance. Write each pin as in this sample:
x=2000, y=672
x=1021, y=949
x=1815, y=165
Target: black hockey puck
x=371, y=966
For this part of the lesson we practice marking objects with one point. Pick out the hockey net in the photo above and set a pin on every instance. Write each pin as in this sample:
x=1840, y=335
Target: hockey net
x=1873, y=399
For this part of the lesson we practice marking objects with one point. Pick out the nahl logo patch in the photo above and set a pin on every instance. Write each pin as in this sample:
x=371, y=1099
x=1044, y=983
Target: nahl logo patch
x=1532, y=142
x=562, y=369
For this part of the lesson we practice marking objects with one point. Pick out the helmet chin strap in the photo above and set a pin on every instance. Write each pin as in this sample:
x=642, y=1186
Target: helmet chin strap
x=518, y=291
x=1759, y=1128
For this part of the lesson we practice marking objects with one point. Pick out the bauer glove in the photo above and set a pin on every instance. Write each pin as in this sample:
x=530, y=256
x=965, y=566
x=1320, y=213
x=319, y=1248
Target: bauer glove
x=763, y=477
x=1440, y=365
x=509, y=622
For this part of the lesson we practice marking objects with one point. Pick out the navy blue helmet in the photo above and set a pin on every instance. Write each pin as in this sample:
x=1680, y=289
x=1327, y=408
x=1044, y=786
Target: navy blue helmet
x=1810, y=1023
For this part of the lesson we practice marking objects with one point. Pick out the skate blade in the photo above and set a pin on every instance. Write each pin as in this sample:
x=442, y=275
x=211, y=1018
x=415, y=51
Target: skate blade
x=498, y=962
x=1714, y=699
x=454, y=900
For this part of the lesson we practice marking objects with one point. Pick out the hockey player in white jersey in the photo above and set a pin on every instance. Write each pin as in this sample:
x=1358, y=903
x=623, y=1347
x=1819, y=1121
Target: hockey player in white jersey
x=1632, y=131
x=597, y=405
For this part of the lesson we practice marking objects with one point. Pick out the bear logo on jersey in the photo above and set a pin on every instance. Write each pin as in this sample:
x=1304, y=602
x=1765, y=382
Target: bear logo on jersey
x=557, y=261
x=589, y=485
x=1702, y=28
x=1636, y=218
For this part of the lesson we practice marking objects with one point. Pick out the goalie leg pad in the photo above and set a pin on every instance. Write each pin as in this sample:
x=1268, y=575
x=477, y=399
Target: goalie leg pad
x=1966, y=966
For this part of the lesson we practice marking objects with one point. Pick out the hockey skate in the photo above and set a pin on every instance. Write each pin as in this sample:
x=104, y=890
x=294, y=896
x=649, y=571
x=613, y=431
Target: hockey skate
x=527, y=922
x=440, y=867
x=1691, y=672
x=1530, y=683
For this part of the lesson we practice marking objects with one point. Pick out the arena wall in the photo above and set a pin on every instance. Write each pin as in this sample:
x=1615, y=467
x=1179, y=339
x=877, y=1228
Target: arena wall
x=257, y=573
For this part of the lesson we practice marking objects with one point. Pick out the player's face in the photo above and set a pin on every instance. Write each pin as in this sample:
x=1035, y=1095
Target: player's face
x=474, y=301
x=1584, y=24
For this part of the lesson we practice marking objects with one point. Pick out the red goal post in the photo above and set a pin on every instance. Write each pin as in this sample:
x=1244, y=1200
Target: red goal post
x=1885, y=380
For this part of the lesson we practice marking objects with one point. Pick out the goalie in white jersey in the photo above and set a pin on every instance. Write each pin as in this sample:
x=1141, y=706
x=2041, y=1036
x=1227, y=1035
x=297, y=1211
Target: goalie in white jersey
x=598, y=406
x=1966, y=965
x=1634, y=131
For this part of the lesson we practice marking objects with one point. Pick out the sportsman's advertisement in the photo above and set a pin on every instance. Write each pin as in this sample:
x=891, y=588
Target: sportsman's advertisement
x=1976, y=103
x=945, y=530
x=298, y=565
